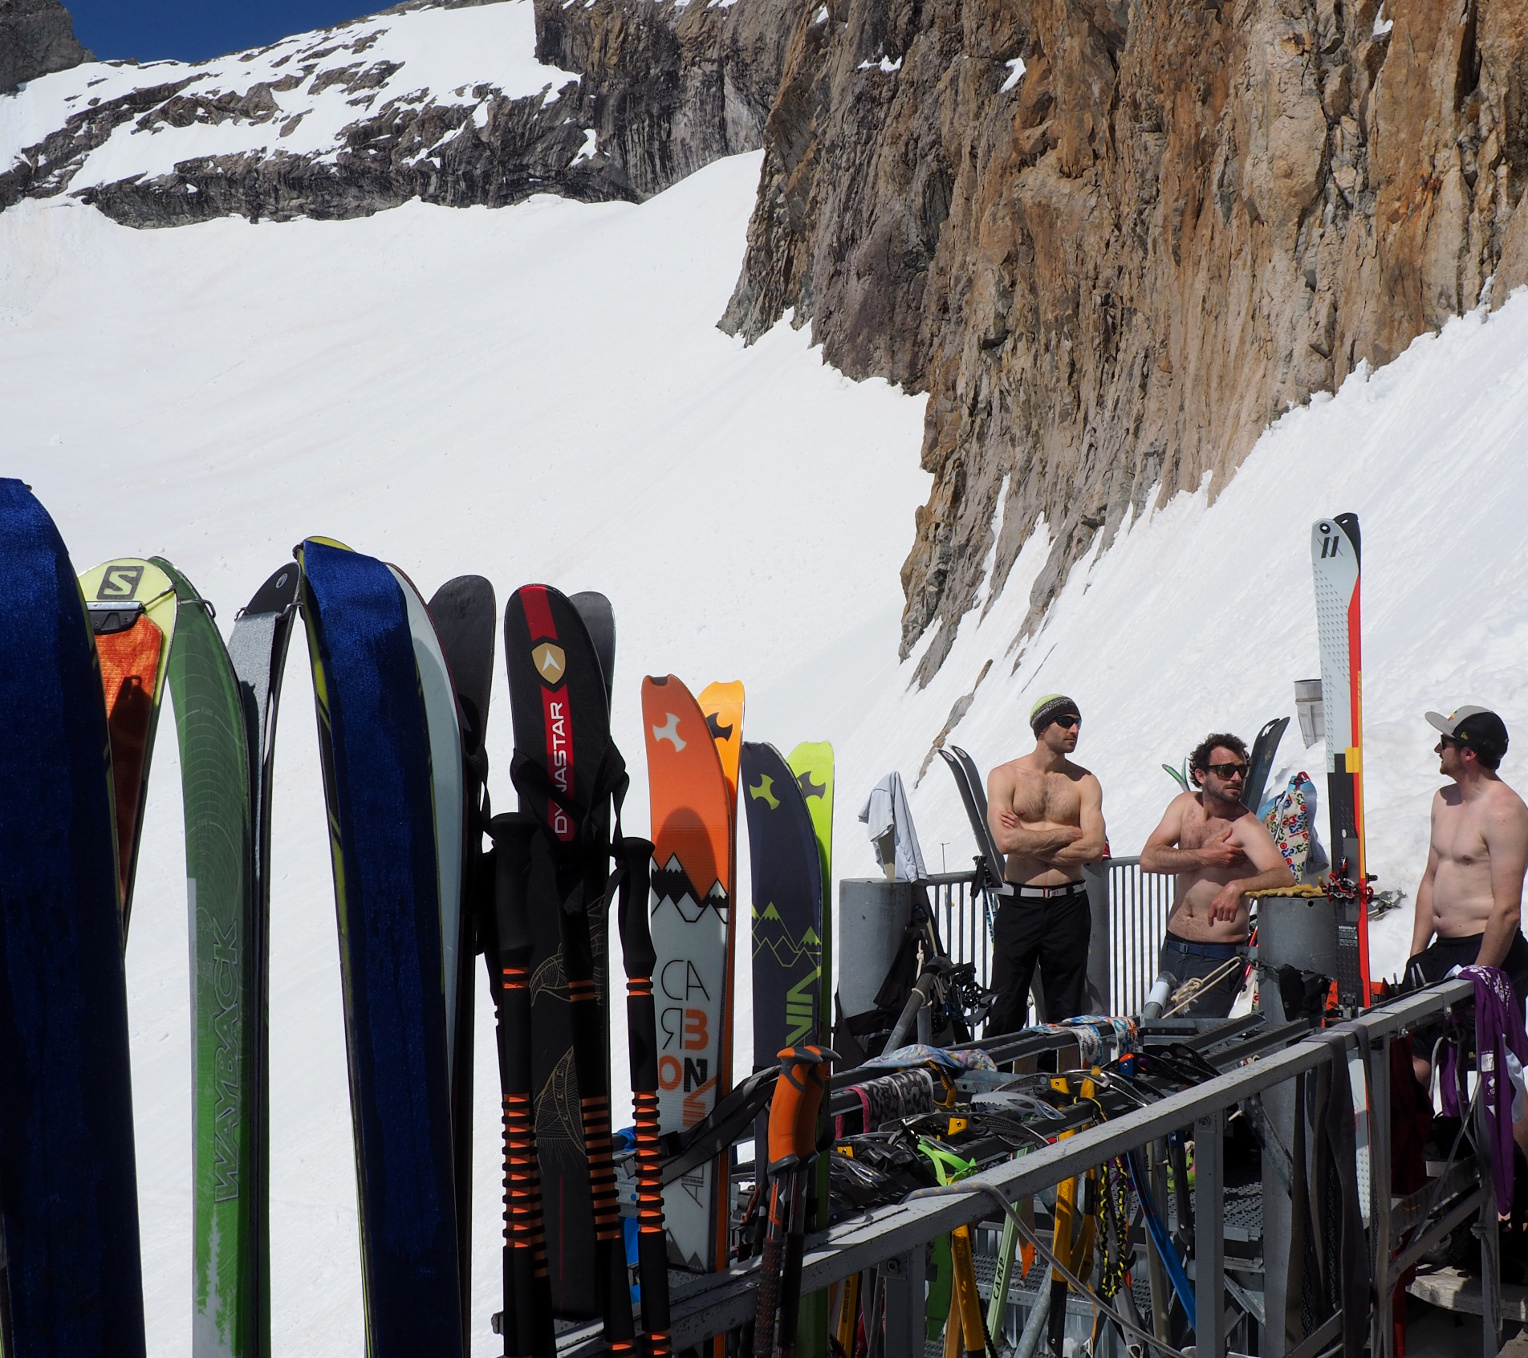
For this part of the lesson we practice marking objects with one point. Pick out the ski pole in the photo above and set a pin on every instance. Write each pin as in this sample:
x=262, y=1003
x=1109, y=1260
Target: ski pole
x=769, y=1271
x=809, y=1065
x=527, y=1323
x=792, y=1128
x=642, y=1034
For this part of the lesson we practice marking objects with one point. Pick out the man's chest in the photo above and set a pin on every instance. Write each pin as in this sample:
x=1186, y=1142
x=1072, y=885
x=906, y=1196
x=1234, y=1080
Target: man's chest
x=1199, y=829
x=1046, y=796
x=1457, y=836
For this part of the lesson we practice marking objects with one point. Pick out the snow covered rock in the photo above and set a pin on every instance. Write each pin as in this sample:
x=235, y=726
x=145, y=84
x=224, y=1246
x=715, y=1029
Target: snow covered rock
x=1112, y=241
x=444, y=103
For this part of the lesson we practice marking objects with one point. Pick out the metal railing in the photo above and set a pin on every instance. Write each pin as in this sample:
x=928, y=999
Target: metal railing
x=1137, y=905
x=1130, y=910
x=894, y=1239
x=963, y=913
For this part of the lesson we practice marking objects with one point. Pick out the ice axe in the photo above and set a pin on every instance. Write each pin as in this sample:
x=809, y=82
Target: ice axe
x=792, y=1145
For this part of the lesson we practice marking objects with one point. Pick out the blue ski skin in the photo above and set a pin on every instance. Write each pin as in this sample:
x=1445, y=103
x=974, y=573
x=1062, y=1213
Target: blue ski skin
x=68, y=1191
x=375, y=749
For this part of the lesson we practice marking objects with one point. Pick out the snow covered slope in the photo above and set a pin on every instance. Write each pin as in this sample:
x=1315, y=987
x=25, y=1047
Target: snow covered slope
x=539, y=393
x=297, y=95
x=535, y=393
x=1201, y=617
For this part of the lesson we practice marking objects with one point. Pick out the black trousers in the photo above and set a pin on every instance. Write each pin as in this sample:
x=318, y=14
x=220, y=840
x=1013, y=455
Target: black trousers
x=1052, y=932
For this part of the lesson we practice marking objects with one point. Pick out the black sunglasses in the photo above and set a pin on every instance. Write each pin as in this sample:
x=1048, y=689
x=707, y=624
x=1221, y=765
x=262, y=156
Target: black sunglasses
x=1227, y=770
x=1067, y=722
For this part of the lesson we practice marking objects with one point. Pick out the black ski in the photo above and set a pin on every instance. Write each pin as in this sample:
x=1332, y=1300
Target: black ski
x=1260, y=764
x=465, y=615
x=567, y=771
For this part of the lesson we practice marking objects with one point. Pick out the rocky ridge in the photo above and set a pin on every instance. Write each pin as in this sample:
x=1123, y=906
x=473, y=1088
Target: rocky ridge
x=36, y=38
x=1112, y=239
x=336, y=123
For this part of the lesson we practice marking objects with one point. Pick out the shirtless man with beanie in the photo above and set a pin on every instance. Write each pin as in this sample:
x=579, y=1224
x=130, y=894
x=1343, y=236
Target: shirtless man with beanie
x=1472, y=889
x=1046, y=814
x=1220, y=851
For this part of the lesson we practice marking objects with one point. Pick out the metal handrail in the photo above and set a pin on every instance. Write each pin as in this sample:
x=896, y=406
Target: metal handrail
x=893, y=1238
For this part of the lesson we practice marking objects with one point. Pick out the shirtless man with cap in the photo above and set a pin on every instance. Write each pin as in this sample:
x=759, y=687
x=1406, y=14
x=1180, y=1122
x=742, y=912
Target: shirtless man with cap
x=1472, y=889
x=1047, y=816
x=1222, y=852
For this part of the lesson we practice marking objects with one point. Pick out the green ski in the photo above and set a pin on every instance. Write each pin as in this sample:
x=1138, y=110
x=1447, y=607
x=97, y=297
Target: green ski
x=217, y=783
x=812, y=763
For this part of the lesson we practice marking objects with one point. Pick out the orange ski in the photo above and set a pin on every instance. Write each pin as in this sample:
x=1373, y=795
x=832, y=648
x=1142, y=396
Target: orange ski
x=692, y=819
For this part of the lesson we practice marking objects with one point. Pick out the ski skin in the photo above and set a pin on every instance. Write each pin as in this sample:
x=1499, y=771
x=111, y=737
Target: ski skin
x=72, y=1281
x=361, y=649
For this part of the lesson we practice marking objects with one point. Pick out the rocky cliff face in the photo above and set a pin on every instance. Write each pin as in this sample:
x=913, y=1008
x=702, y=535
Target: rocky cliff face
x=1113, y=238
x=36, y=37
x=337, y=124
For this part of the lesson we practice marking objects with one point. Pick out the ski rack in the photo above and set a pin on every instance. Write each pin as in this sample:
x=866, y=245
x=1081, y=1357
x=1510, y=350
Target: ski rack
x=893, y=1239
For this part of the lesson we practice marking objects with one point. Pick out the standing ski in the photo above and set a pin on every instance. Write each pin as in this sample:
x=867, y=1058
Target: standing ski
x=218, y=788
x=567, y=771
x=1264, y=750
x=374, y=744
x=132, y=611
x=812, y=763
x=257, y=650
x=692, y=812
x=71, y=1281
x=787, y=907
x=722, y=703
x=1335, y=560
x=466, y=618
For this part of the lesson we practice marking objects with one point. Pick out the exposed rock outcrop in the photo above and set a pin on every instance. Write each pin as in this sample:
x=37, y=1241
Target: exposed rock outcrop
x=36, y=37
x=671, y=85
x=640, y=94
x=1113, y=238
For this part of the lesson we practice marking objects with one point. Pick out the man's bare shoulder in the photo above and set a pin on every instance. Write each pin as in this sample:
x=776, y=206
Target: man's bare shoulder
x=1076, y=772
x=1012, y=769
x=1181, y=804
x=1503, y=803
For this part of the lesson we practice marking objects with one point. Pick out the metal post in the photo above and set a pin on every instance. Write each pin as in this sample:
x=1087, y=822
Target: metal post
x=1096, y=876
x=1485, y=1223
x=905, y=1306
x=1161, y=1302
x=1382, y=1336
x=1209, y=1236
x=1278, y=1107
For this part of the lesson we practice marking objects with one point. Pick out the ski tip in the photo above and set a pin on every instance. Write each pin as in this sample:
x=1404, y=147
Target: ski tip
x=277, y=594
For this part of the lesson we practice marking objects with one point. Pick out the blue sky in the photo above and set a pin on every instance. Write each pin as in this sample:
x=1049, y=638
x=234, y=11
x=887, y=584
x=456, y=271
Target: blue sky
x=195, y=29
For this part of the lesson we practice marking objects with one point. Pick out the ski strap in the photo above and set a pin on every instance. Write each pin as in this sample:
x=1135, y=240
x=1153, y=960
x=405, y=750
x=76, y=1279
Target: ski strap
x=708, y=1138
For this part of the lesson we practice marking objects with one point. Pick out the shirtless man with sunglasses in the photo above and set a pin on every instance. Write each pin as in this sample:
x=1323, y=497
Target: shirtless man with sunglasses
x=1220, y=851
